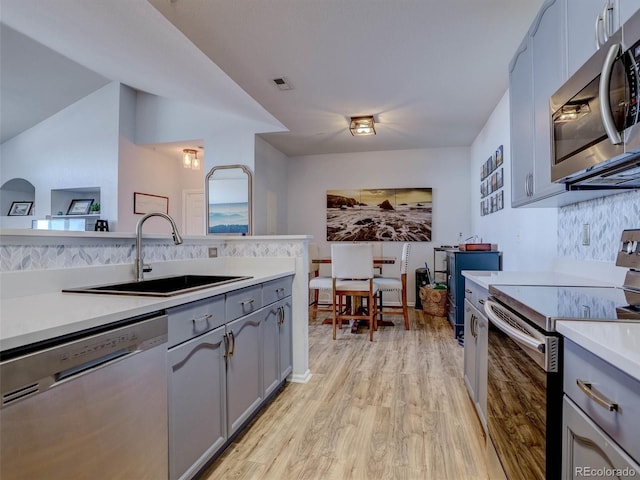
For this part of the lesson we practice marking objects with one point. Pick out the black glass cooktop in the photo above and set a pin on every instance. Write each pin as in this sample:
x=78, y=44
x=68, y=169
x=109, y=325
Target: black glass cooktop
x=546, y=304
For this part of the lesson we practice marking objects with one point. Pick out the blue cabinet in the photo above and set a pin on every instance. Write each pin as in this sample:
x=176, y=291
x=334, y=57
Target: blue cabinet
x=457, y=261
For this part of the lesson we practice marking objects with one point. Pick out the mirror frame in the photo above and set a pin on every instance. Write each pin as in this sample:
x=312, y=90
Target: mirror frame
x=207, y=179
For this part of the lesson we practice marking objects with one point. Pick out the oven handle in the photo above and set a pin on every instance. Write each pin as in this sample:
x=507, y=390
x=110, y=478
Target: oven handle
x=603, y=92
x=510, y=331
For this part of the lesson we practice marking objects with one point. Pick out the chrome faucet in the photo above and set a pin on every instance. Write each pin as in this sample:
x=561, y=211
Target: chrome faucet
x=140, y=267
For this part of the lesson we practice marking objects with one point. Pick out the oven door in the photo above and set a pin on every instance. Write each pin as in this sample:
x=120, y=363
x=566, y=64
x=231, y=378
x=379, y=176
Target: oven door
x=524, y=407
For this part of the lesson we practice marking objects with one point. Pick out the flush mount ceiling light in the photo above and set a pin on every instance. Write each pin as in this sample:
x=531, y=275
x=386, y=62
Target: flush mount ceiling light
x=190, y=159
x=361, y=126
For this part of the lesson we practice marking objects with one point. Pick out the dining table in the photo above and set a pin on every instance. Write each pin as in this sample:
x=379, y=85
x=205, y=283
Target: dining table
x=377, y=262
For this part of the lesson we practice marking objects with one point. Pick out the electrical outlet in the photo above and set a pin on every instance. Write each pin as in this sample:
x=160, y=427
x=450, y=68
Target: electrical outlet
x=586, y=235
x=213, y=252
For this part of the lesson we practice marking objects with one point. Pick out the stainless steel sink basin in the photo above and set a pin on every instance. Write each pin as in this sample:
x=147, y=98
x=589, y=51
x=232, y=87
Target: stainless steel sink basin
x=160, y=287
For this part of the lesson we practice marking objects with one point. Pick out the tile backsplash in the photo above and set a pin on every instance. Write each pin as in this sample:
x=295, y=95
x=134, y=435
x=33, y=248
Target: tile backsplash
x=607, y=217
x=40, y=257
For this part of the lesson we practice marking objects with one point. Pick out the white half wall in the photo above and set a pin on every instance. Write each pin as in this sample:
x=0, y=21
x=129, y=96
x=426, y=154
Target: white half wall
x=445, y=170
x=270, y=204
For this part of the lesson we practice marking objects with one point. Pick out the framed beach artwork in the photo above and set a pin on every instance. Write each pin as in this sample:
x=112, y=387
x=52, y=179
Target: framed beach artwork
x=380, y=215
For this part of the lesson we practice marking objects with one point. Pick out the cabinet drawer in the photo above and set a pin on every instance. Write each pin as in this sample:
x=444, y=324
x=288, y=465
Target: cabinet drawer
x=193, y=319
x=610, y=384
x=244, y=301
x=276, y=290
x=475, y=294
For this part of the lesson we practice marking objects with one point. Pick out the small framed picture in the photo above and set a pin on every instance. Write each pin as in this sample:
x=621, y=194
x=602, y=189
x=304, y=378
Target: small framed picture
x=80, y=206
x=20, y=209
x=499, y=156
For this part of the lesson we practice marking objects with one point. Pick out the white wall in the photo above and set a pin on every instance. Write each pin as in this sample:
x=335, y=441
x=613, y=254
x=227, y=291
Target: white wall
x=526, y=236
x=75, y=148
x=270, y=203
x=446, y=170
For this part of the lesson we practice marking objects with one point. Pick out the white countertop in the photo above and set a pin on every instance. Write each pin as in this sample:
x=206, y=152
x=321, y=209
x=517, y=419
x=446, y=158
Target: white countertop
x=33, y=318
x=485, y=278
x=617, y=343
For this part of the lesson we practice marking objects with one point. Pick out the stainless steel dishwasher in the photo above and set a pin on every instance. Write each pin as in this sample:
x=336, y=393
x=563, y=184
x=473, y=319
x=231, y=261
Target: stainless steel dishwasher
x=93, y=405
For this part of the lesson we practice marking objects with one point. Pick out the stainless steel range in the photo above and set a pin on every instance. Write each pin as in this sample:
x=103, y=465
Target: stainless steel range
x=524, y=405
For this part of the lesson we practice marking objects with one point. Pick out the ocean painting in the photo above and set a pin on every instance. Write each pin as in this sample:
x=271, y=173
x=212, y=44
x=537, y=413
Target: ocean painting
x=380, y=215
x=229, y=218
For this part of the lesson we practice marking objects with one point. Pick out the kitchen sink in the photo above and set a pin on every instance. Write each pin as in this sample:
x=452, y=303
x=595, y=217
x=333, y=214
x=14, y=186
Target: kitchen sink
x=160, y=287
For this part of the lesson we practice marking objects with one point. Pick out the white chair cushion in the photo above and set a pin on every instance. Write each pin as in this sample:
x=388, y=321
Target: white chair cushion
x=321, y=283
x=388, y=283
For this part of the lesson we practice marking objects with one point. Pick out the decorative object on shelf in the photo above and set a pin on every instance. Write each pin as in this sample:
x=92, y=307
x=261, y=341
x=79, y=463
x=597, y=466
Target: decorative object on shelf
x=362, y=126
x=101, y=226
x=95, y=208
x=144, y=203
x=190, y=159
x=379, y=214
x=492, y=181
x=20, y=209
x=80, y=206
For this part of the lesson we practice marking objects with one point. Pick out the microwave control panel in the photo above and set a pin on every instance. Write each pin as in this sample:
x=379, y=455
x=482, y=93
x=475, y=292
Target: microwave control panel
x=631, y=66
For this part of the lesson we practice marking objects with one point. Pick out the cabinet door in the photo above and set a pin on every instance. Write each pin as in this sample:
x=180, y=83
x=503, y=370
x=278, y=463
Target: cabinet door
x=244, y=369
x=197, y=402
x=470, y=350
x=549, y=73
x=270, y=348
x=482, y=352
x=625, y=9
x=586, y=449
x=286, y=339
x=521, y=122
x=581, y=35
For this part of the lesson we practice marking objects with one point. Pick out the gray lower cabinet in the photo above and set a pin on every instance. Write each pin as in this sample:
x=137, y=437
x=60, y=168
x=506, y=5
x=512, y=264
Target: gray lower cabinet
x=476, y=335
x=589, y=452
x=277, y=345
x=226, y=355
x=244, y=369
x=197, y=402
x=600, y=418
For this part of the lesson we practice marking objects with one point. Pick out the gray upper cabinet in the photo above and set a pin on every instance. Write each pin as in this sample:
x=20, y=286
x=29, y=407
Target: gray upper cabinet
x=581, y=31
x=537, y=70
x=549, y=67
x=521, y=119
x=626, y=8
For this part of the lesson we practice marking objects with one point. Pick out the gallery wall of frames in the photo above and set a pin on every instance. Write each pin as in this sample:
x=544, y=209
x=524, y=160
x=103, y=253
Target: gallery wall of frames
x=491, y=183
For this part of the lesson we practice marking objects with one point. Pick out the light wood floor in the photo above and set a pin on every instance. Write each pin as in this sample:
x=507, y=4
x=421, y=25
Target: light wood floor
x=396, y=408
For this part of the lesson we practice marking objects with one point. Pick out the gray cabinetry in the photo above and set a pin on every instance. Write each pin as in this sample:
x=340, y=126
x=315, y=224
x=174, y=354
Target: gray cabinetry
x=601, y=418
x=476, y=331
x=197, y=405
x=244, y=369
x=276, y=334
x=581, y=31
x=521, y=120
x=537, y=70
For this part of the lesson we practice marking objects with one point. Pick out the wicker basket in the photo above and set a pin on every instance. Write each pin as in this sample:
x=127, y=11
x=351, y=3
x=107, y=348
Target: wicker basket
x=434, y=301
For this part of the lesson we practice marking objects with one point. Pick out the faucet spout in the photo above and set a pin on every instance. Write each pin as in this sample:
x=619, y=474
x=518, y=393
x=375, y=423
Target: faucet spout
x=177, y=239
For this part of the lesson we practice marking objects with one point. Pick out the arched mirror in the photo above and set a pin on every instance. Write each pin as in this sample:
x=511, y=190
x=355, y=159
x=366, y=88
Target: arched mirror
x=228, y=192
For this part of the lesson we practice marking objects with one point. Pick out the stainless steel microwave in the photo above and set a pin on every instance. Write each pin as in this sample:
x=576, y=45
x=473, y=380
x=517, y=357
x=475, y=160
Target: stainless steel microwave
x=595, y=129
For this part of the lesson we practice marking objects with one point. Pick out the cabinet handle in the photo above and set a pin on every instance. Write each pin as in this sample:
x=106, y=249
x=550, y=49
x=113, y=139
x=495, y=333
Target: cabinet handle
x=597, y=30
x=589, y=391
x=607, y=24
x=245, y=302
x=233, y=343
x=203, y=318
x=225, y=337
x=279, y=290
x=468, y=291
x=481, y=302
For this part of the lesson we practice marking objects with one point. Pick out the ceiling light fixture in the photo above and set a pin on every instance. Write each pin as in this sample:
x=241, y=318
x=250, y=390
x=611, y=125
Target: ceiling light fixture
x=190, y=159
x=361, y=126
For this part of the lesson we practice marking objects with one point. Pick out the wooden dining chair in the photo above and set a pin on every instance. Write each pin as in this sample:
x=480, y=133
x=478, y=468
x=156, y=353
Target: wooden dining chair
x=397, y=285
x=317, y=284
x=352, y=276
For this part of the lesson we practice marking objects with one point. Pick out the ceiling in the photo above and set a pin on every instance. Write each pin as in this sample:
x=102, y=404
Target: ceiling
x=430, y=72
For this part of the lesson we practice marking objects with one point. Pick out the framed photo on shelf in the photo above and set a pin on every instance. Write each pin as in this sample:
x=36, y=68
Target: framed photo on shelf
x=20, y=209
x=499, y=159
x=80, y=206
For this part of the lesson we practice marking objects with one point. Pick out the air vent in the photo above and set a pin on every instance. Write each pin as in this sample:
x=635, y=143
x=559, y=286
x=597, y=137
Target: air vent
x=282, y=83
